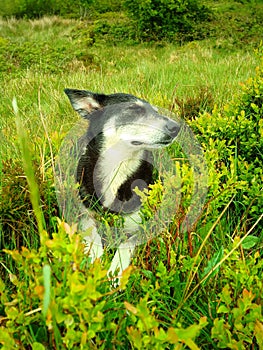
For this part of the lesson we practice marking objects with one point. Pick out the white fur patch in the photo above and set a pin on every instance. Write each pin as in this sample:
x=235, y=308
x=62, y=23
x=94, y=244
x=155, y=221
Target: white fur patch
x=132, y=221
x=115, y=168
x=139, y=103
x=86, y=103
x=122, y=257
x=117, y=162
x=91, y=238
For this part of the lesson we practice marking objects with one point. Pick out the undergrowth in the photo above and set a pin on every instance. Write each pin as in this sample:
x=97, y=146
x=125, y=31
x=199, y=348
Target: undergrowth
x=197, y=289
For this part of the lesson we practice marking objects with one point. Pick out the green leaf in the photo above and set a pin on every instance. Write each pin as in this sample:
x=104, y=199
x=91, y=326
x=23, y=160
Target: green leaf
x=225, y=295
x=192, y=331
x=12, y=313
x=222, y=309
x=47, y=282
x=37, y=346
x=249, y=242
x=212, y=263
x=259, y=333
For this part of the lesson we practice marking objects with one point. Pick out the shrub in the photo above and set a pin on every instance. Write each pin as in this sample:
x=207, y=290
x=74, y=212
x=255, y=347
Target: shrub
x=16, y=213
x=104, y=6
x=239, y=320
x=233, y=140
x=43, y=56
x=167, y=19
x=190, y=107
x=38, y=8
x=112, y=28
x=59, y=300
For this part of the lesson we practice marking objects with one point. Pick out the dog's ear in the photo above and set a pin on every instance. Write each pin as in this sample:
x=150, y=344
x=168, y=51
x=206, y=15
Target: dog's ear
x=85, y=102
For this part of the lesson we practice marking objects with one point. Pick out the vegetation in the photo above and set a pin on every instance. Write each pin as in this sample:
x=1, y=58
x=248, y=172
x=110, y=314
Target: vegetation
x=38, y=8
x=167, y=19
x=199, y=289
x=231, y=23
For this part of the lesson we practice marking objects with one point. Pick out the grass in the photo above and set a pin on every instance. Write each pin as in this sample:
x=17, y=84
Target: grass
x=178, y=278
x=154, y=72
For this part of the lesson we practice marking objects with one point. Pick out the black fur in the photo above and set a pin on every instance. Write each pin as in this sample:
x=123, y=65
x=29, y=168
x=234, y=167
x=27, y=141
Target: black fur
x=99, y=108
x=126, y=200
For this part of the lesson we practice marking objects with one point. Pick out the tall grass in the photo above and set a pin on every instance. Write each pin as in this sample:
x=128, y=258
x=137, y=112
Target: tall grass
x=179, y=278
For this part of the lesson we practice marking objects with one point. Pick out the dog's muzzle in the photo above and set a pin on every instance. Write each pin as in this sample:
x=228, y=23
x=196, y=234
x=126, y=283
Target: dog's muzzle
x=173, y=128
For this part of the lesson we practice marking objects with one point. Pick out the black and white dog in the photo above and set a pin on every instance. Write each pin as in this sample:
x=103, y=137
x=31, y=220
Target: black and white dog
x=116, y=156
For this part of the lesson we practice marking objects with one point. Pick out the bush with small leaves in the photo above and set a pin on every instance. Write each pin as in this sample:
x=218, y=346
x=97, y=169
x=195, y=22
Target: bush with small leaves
x=167, y=19
x=233, y=143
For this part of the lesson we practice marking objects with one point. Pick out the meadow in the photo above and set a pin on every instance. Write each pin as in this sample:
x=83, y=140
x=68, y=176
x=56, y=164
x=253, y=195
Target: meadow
x=199, y=289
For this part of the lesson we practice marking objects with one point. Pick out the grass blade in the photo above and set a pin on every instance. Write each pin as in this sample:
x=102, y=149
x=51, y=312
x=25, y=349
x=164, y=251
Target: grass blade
x=29, y=171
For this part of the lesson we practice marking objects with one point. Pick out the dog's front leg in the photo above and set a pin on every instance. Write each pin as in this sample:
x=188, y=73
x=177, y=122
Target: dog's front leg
x=124, y=253
x=122, y=257
x=91, y=238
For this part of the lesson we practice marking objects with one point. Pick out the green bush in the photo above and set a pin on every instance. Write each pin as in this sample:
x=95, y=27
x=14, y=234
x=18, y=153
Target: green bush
x=38, y=8
x=104, y=6
x=58, y=300
x=237, y=25
x=167, y=19
x=233, y=141
x=239, y=320
x=44, y=56
x=112, y=28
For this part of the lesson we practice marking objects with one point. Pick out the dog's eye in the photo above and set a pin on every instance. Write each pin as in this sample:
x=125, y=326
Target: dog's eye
x=137, y=108
x=136, y=143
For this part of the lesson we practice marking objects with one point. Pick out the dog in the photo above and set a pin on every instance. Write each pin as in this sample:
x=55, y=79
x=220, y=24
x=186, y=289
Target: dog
x=115, y=157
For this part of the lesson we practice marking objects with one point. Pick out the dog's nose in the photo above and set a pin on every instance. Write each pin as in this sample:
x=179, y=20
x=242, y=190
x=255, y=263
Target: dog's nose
x=173, y=128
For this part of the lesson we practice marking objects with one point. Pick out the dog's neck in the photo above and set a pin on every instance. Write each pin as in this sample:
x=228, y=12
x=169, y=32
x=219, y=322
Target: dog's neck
x=108, y=175
x=114, y=167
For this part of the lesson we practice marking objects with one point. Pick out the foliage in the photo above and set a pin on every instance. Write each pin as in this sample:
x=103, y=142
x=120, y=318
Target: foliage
x=29, y=53
x=227, y=24
x=239, y=321
x=199, y=289
x=112, y=28
x=169, y=19
x=191, y=106
x=104, y=6
x=234, y=139
x=233, y=24
x=38, y=8
x=57, y=300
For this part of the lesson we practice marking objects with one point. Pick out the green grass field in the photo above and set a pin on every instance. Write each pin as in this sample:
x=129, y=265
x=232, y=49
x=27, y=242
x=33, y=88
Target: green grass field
x=201, y=289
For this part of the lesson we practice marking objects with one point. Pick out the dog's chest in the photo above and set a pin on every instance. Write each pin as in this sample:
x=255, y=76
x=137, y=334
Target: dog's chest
x=114, y=168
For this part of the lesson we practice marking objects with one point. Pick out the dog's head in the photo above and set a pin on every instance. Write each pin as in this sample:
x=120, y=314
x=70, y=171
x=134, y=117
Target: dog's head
x=124, y=118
